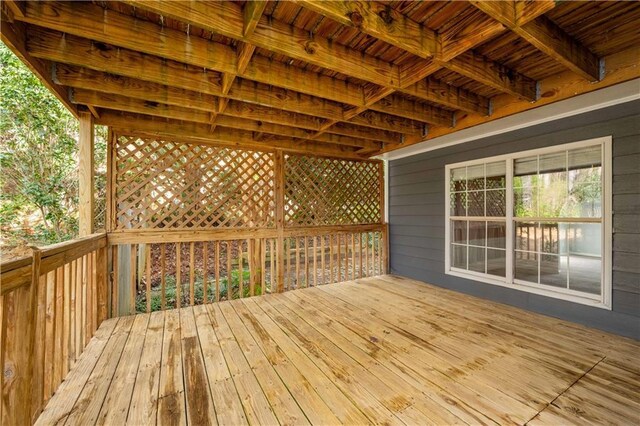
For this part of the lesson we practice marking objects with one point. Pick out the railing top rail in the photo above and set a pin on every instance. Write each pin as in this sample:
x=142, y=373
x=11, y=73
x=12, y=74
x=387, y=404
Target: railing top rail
x=17, y=273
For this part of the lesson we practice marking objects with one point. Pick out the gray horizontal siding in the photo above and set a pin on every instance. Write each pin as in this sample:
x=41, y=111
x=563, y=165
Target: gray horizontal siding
x=417, y=214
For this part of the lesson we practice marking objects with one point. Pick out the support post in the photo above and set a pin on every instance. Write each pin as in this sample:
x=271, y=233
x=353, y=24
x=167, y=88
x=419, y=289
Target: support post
x=279, y=192
x=85, y=174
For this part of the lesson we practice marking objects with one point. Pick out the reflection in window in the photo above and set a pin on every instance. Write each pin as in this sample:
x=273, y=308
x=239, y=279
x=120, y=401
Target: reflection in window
x=556, y=219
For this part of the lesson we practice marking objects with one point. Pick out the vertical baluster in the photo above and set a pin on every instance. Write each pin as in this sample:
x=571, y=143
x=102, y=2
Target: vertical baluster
x=339, y=260
x=114, y=281
x=66, y=283
x=205, y=272
x=251, y=251
x=366, y=254
x=272, y=270
x=79, y=312
x=322, y=259
x=360, y=253
x=178, y=275
x=59, y=314
x=147, y=263
x=353, y=256
x=229, y=281
x=49, y=334
x=192, y=276
x=346, y=257
x=315, y=262
x=240, y=271
x=133, y=269
x=216, y=261
x=73, y=313
x=306, y=261
x=263, y=262
x=297, y=280
x=163, y=271
x=287, y=269
x=330, y=237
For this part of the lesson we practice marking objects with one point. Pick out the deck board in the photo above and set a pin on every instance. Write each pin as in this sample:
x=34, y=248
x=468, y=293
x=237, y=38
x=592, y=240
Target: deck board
x=376, y=350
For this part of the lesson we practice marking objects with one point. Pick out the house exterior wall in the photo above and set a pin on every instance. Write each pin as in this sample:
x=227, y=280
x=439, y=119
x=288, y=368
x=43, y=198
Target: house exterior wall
x=417, y=214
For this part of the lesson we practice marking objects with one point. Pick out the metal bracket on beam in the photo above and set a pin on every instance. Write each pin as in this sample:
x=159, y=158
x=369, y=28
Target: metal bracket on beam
x=602, y=71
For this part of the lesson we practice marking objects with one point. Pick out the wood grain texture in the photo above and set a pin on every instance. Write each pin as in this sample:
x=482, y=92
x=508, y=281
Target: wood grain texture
x=349, y=353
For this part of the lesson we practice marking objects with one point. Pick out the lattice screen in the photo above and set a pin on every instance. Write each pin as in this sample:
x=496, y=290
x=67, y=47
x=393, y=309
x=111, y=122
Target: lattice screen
x=326, y=191
x=165, y=184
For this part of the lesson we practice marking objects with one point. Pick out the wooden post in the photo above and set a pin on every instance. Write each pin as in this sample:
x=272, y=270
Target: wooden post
x=279, y=193
x=85, y=174
x=33, y=392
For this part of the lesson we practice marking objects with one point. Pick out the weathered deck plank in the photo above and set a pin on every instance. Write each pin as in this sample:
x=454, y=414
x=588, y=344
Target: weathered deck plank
x=375, y=350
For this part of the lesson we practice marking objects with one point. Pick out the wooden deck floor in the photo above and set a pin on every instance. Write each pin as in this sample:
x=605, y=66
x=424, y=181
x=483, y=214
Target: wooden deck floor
x=378, y=350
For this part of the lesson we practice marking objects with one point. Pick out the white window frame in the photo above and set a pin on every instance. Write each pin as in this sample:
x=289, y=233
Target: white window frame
x=601, y=301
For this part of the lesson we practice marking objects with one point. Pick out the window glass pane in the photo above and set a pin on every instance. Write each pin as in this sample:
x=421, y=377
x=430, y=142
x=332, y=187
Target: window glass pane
x=553, y=237
x=496, y=234
x=496, y=261
x=585, y=200
x=496, y=203
x=526, y=237
x=477, y=233
x=458, y=204
x=552, y=185
x=475, y=203
x=476, y=259
x=459, y=256
x=553, y=270
x=459, y=231
x=585, y=273
x=459, y=179
x=525, y=266
x=585, y=239
x=475, y=177
x=525, y=199
x=496, y=175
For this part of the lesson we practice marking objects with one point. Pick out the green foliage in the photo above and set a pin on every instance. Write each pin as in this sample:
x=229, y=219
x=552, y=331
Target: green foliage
x=38, y=157
x=171, y=294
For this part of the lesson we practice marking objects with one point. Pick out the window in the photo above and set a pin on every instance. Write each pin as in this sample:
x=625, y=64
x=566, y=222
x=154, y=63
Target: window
x=537, y=221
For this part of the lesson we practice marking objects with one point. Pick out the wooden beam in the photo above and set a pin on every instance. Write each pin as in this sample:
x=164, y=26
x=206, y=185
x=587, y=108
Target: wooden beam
x=85, y=174
x=494, y=75
x=58, y=47
x=13, y=35
x=397, y=105
x=189, y=131
x=351, y=130
x=545, y=36
x=252, y=12
x=262, y=95
x=55, y=46
x=108, y=26
x=226, y=18
x=272, y=115
x=380, y=21
x=388, y=122
x=527, y=10
x=552, y=40
x=621, y=67
x=84, y=78
x=433, y=90
x=118, y=102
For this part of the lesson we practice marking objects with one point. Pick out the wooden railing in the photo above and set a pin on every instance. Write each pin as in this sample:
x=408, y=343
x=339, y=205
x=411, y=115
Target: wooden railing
x=51, y=303
x=156, y=270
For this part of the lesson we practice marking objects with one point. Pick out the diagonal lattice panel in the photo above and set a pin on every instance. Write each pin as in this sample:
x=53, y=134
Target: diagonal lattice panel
x=165, y=184
x=327, y=191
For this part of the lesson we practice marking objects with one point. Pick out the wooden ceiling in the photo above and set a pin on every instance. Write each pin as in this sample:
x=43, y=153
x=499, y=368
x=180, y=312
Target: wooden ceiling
x=344, y=78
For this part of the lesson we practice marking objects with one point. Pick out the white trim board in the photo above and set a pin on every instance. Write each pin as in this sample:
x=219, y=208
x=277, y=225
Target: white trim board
x=598, y=99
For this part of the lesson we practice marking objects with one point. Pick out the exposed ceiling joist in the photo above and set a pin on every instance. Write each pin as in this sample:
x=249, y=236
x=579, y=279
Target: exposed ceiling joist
x=222, y=136
x=545, y=35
